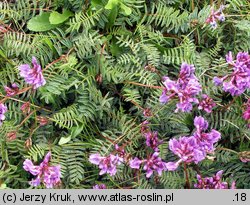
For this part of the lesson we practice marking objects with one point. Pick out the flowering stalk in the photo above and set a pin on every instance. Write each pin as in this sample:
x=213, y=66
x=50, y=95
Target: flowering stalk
x=32, y=76
x=106, y=164
x=216, y=16
x=48, y=175
x=206, y=103
x=148, y=86
x=152, y=164
x=239, y=80
x=185, y=88
x=214, y=182
x=193, y=148
x=186, y=176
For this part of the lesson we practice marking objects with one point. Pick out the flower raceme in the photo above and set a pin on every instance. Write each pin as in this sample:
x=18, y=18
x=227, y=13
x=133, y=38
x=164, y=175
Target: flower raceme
x=216, y=16
x=187, y=149
x=214, y=182
x=106, y=164
x=186, y=88
x=152, y=164
x=152, y=140
x=239, y=80
x=3, y=110
x=193, y=148
x=145, y=127
x=206, y=103
x=32, y=76
x=205, y=140
x=48, y=175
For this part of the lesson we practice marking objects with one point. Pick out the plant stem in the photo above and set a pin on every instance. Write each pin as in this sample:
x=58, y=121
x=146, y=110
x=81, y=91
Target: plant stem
x=226, y=149
x=148, y=86
x=25, y=119
x=193, y=5
x=14, y=99
x=186, y=175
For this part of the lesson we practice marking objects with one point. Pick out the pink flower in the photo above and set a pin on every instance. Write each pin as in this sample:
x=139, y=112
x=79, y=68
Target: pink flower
x=144, y=127
x=193, y=148
x=32, y=76
x=135, y=163
x=49, y=175
x=3, y=110
x=239, y=80
x=25, y=108
x=186, y=88
x=214, y=182
x=12, y=90
x=152, y=164
x=147, y=112
x=121, y=152
x=100, y=186
x=200, y=124
x=216, y=16
x=206, y=140
x=42, y=120
x=106, y=164
x=172, y=166
x=187, y=149
x=206, y=104
x=246, y=113
x=152, y=140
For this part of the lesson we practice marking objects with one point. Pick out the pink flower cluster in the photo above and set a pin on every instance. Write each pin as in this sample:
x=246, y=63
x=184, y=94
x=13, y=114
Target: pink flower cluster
x=32, y=76
x=206, y=103
x=152, y=164
x=186, y=88
x=205, y=140
x=152, y=139
x=106, y=164
x=49, y=175
x=214, y=182
x=239, y=80
x=216, y=16
x=193, y=148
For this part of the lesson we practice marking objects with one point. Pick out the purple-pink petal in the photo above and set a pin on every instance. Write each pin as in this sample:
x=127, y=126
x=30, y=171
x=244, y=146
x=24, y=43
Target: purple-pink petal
x=32, y=76
x=172, y=166
x=135, y=163
x=100, y=186
x=30, y=167
x=95, y=158
x=49, y=175
x=185, y=88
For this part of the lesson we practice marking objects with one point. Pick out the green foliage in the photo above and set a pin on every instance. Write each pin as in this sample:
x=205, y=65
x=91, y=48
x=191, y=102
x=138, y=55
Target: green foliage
x=40, y=23
x=57, y=18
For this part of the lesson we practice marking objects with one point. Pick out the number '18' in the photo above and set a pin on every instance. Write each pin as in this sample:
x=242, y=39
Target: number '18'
x=241, y=196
